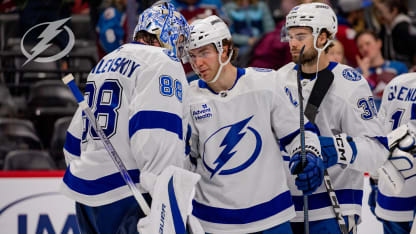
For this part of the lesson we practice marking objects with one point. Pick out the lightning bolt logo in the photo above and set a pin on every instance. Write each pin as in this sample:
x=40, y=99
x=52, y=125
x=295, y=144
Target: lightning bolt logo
x=50, y=32
x=234, y=135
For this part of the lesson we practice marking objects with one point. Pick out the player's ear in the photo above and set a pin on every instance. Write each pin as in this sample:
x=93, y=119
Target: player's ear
x=224, y=55
x=322, y=38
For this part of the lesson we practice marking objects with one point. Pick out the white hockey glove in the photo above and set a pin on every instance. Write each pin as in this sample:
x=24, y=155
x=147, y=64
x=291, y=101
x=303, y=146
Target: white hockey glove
x=339, y=149
x=400, y=165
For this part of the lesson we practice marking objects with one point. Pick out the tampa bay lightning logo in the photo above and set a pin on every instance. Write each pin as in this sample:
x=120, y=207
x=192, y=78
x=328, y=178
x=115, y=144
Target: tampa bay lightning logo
x=232, y=158
x=351, y=74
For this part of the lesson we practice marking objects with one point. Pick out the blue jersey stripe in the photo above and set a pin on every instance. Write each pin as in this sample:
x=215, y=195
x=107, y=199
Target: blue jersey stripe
x=156, y=119
x=242, y=216
x=383, y=141
x=322, y=200
x=287, y=139
x=72, y=144
x=176, y=213
x=396, y=203
x=100, y=185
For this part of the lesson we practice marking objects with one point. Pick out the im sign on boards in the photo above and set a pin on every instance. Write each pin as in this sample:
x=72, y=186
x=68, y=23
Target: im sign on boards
x=30, y=203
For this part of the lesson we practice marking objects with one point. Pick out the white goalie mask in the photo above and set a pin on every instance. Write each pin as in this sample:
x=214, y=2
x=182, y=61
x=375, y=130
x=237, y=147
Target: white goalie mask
x=163, y=20
x=210, y=30
x=316, y=16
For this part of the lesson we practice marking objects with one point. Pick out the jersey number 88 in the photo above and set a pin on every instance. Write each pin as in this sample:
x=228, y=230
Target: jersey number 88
x=104, y=104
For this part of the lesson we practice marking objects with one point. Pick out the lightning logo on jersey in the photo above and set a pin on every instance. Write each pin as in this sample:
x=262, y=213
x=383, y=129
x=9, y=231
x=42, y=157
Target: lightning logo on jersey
x=228, y=160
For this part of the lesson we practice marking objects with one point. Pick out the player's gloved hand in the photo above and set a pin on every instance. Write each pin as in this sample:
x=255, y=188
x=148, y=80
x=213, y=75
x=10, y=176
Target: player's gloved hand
x=404, y=162
x=403, y=138
x=339, y=149
x=309, y=178
x=402, y=143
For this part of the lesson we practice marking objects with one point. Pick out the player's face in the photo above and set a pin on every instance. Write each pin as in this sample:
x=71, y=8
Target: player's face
x=298, y=37
x=368, y=45
x=204, y=61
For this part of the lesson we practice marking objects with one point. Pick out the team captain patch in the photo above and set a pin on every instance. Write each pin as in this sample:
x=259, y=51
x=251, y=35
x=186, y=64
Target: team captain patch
x=351, y=74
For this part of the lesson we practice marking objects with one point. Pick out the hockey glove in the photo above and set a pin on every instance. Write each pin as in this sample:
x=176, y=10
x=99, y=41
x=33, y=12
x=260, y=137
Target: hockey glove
x=402, y=143
x=400, y=165
x=309, y=178
x=339, y=149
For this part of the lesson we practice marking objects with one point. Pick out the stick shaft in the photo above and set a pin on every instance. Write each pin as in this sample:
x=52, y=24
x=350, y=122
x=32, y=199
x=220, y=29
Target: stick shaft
x=302, y=140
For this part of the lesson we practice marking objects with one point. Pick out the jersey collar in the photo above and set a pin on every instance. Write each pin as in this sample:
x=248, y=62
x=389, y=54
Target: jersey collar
x=203, y=85
x=312, y=76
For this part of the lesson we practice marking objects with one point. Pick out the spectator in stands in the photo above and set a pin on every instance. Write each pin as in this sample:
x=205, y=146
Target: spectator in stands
x=270, y=51
x=378, y=71
x=249, y=21
x=350, y=21
x=198, y=9
x=111, y=27
x=397, y=33
x=336, y=52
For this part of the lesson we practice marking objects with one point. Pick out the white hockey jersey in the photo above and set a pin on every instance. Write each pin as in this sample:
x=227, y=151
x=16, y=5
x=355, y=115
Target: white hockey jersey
x=138, y=94
x=243, y=186
x=348, y=107
x=398, y=107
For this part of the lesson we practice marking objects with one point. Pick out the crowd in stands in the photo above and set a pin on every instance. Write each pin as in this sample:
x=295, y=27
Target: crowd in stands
x=377, y=37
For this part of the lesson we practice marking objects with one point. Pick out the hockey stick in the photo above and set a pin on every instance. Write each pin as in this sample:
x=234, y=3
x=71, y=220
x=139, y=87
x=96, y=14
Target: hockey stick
x=413, y=229
x=69, y=81
x=327, y=181
x=302, y=139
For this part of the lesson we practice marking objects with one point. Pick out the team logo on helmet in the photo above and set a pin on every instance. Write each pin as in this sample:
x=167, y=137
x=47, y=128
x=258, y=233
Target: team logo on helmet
x=351, y=74
x=230, y=158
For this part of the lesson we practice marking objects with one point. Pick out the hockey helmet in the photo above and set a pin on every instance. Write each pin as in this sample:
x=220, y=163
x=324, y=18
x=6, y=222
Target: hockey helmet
x=316, y=16
x=208, y=30
x=164, y=20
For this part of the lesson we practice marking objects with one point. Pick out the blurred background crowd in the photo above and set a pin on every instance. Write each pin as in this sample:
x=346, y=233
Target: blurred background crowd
x=377, y=37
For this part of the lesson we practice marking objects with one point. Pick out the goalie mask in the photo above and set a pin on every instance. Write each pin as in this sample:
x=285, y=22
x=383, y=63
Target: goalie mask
x=164, y=21
x=211, y=30
x=316, y=16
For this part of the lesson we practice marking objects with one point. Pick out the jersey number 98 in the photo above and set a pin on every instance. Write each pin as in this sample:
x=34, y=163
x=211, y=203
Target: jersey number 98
x=104, y=104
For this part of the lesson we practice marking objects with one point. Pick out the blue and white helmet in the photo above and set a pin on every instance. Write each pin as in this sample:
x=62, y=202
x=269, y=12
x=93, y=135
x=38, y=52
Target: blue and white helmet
x=163, y=20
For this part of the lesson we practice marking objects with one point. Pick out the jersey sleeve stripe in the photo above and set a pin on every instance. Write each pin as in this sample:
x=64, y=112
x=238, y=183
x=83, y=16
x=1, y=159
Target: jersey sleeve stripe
x=396, y=203
x=72, y=144
x=322, y=200
x=242, y=216
x=383, y=141
x=289, y=138
x=156, y=119
x=100, y=185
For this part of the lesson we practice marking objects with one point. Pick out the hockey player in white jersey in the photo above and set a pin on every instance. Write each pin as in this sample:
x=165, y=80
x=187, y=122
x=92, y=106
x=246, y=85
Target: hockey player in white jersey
x=398, y=107
x=237, y=115
x=138, y=95
x=338, y=101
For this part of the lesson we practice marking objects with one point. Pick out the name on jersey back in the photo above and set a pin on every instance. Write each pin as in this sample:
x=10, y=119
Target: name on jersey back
x=124, y=66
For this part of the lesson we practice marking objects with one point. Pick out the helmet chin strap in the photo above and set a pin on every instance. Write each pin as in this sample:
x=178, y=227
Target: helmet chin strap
x=319, y=51
x=221, y=66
